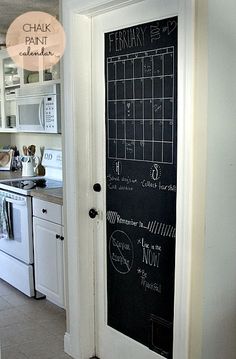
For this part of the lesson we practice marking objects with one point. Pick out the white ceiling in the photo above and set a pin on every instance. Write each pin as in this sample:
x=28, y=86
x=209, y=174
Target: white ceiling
x=10, y=9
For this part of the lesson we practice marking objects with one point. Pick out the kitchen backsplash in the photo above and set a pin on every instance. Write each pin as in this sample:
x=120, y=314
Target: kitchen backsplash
x=39, y=140
x=5, y=139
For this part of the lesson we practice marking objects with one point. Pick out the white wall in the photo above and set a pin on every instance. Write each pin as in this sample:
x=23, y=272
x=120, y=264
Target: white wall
x=37, y=139
x=219, y=323
x=5, y=139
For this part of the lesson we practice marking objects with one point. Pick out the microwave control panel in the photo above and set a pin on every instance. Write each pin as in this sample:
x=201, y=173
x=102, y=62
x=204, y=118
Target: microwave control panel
x=50, y=112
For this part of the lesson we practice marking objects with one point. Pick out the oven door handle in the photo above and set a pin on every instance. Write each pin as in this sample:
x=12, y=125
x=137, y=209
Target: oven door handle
x=15, y=201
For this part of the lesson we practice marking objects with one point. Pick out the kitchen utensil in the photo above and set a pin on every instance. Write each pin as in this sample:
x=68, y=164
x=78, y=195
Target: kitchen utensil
x=25, y=150
x=29, y=165
x=31, y=150
x=41, y=169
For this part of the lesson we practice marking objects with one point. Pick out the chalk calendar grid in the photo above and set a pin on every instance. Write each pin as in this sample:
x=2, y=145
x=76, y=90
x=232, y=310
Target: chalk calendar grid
x=140, y=106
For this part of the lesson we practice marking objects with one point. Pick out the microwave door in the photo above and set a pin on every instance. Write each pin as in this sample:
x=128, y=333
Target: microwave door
x=29, y=114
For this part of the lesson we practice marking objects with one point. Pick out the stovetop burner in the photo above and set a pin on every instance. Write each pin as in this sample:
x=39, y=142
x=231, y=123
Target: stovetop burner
x=30, y=184
x=24, y=186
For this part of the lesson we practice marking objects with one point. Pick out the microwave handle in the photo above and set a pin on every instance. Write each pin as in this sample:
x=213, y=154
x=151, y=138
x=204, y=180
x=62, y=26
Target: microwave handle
x=40, y=113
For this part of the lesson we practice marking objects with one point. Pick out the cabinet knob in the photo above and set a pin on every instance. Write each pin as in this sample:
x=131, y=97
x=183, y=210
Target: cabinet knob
x=58, y=236
x=44, y=210
x=62, y=238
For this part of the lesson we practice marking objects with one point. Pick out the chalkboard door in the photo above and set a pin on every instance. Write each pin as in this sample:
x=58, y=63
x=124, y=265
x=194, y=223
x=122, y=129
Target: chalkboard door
x=135, y=140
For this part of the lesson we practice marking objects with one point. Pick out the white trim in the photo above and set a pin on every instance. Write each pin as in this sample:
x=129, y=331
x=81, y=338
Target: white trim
x=184, y=181
x=106, y=6
x=67, y=343
x=80, y=321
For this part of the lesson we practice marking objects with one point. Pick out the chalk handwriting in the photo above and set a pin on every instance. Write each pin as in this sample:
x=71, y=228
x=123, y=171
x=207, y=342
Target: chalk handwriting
x=151, y=258
x=125, y=188
x=127, y=39
x=127, y=180
x=165, y=187
x=146, y=284
x=144, y=244
x=148, y=184
x=154, y=227
x=155, y=32
x=126, y=221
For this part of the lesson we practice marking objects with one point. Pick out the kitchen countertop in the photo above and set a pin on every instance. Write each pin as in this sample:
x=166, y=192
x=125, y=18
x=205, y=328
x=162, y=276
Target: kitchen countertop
x=8, y=175
x=54, y=195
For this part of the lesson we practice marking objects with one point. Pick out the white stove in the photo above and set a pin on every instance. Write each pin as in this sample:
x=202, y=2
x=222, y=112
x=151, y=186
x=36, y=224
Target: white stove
x=16, y=234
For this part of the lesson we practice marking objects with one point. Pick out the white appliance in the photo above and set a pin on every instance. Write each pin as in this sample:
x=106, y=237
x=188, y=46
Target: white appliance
x=16, y=253
x=38, y=109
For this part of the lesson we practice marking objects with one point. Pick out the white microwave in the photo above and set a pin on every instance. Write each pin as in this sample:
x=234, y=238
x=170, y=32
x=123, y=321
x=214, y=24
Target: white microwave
x=38, y=109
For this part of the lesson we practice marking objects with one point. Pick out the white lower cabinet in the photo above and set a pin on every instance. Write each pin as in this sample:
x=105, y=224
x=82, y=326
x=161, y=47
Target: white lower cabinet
x=48, y=252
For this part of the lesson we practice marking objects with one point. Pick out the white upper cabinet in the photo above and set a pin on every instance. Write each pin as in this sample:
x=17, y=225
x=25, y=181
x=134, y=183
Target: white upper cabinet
x=13, y=77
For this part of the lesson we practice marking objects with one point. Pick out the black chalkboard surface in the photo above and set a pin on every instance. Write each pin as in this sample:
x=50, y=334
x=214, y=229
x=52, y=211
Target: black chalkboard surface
x=141, y=135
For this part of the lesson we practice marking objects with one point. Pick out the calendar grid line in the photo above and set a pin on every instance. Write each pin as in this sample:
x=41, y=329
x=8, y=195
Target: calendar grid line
x=127, y=57
x=163, y=113
x=143, y=107
x=141, y=86
x=107, y=109
x=153, y=114
x=138, y=78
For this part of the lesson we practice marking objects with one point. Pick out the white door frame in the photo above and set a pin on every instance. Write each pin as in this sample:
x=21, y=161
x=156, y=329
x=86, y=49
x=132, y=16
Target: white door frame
x=79, y=339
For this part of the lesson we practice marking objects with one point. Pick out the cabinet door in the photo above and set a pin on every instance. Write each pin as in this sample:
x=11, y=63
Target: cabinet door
x=11, y=81
x=48, y=260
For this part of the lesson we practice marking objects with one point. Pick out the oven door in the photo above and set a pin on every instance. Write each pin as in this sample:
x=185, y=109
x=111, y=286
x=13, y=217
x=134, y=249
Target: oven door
x=20, y=246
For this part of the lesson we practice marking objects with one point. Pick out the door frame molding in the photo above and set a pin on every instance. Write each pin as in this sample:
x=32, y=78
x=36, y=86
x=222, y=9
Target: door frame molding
x=79, y=338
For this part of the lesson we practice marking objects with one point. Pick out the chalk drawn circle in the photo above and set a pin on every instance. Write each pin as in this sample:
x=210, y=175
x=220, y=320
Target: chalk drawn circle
x=121, y=252
x=35, y=41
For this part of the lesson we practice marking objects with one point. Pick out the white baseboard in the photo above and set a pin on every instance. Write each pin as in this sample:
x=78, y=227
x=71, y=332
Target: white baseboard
x=67, y=343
